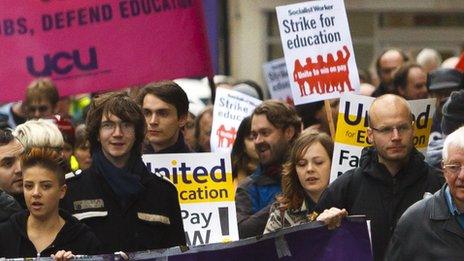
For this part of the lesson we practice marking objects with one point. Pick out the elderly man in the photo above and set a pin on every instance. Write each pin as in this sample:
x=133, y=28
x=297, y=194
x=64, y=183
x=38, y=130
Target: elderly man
x=433, y=228
x=392, y=174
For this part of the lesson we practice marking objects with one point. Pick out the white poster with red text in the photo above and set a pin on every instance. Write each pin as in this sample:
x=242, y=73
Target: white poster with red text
x=318, y=50
x=230, y=107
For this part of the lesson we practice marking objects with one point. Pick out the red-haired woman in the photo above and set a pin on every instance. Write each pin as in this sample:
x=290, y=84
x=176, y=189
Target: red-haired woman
x=43, y=229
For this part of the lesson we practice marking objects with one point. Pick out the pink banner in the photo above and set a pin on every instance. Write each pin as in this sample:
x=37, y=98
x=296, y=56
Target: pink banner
x=93, y=45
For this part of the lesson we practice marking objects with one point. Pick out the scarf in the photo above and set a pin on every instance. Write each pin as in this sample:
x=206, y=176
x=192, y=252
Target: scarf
x=124, y=182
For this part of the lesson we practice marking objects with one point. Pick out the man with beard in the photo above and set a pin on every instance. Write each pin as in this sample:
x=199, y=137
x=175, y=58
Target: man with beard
x=392, y=174
x=11, y=179
x=274, y=126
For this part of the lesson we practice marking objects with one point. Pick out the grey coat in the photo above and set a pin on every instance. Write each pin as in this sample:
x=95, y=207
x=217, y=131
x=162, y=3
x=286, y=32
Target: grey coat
x=427, y=231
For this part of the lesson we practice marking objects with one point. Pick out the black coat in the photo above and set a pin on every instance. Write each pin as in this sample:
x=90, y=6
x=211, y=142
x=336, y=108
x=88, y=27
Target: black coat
x=8, y=206
x=151, y=221
x=371, y=190
x=179, y=147
x=427, y=231
x=73, y=236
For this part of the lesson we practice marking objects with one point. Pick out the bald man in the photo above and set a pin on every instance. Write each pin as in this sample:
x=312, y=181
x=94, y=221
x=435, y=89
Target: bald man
x=386, y=66
x=391, y=176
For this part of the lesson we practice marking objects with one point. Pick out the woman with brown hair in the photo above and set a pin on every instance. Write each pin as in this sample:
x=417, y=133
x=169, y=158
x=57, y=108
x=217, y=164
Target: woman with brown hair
x=244, y=157
x=306, y=174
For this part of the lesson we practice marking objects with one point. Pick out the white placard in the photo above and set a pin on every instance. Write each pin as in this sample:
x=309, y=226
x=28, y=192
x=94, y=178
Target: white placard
x=318, y=50
x=276, y=76
x=206, y=193
x=230, y=107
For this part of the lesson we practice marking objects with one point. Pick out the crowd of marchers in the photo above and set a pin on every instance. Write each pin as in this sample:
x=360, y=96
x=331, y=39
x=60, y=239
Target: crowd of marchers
x=72, y=179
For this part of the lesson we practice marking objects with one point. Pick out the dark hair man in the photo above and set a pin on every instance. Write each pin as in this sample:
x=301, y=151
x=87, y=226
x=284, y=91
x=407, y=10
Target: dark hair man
x=127, y=207
x=433, y=228
x=442, y=83
x=41, y=99
x=165, y=107
x=391, y=176
x=11, y=181
x=410, y=81
x=386, y=65
x=274, y=126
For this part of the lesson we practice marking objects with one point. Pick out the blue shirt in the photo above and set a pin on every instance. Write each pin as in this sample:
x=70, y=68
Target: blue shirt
x=453, y=209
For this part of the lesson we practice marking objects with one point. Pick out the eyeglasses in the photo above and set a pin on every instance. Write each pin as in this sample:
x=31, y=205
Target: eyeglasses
x=388, y=130
x=454, y=169
x=41, y=108
x=110, y=126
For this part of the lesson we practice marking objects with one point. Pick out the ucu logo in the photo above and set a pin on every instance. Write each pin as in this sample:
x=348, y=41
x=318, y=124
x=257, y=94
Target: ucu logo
x=62, y=63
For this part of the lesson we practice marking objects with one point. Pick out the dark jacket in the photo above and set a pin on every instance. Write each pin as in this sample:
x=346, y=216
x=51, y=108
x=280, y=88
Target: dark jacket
x=8, y=206
x=427, y=231
x=253, y=200
x=73, y=236
x=383, y=89
x=151, y=221
x=371, y=190
x=179, y=147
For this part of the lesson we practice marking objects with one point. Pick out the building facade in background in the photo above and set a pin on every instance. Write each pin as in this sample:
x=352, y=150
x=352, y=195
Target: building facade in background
x=253, y=34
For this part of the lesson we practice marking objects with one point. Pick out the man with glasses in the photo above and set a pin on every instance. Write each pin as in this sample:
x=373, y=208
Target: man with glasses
x=41, y=99
x=433, y=228
x=128, y=208
x=392, y=174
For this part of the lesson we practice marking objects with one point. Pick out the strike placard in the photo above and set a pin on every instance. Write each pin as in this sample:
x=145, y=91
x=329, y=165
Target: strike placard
x=318, y=50
x=88, y=46
x=276, y=76
x=230, y=107
x=352, y=123
x=206, y=193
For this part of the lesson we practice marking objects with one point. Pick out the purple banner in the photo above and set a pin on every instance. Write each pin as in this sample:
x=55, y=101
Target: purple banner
x=310, y=241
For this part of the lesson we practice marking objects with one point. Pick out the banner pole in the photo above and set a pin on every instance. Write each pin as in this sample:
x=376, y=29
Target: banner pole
x=328, y=112
x=212, y=86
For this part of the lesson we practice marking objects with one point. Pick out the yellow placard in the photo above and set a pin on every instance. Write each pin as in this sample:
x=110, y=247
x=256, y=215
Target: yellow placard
x=209, y=191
